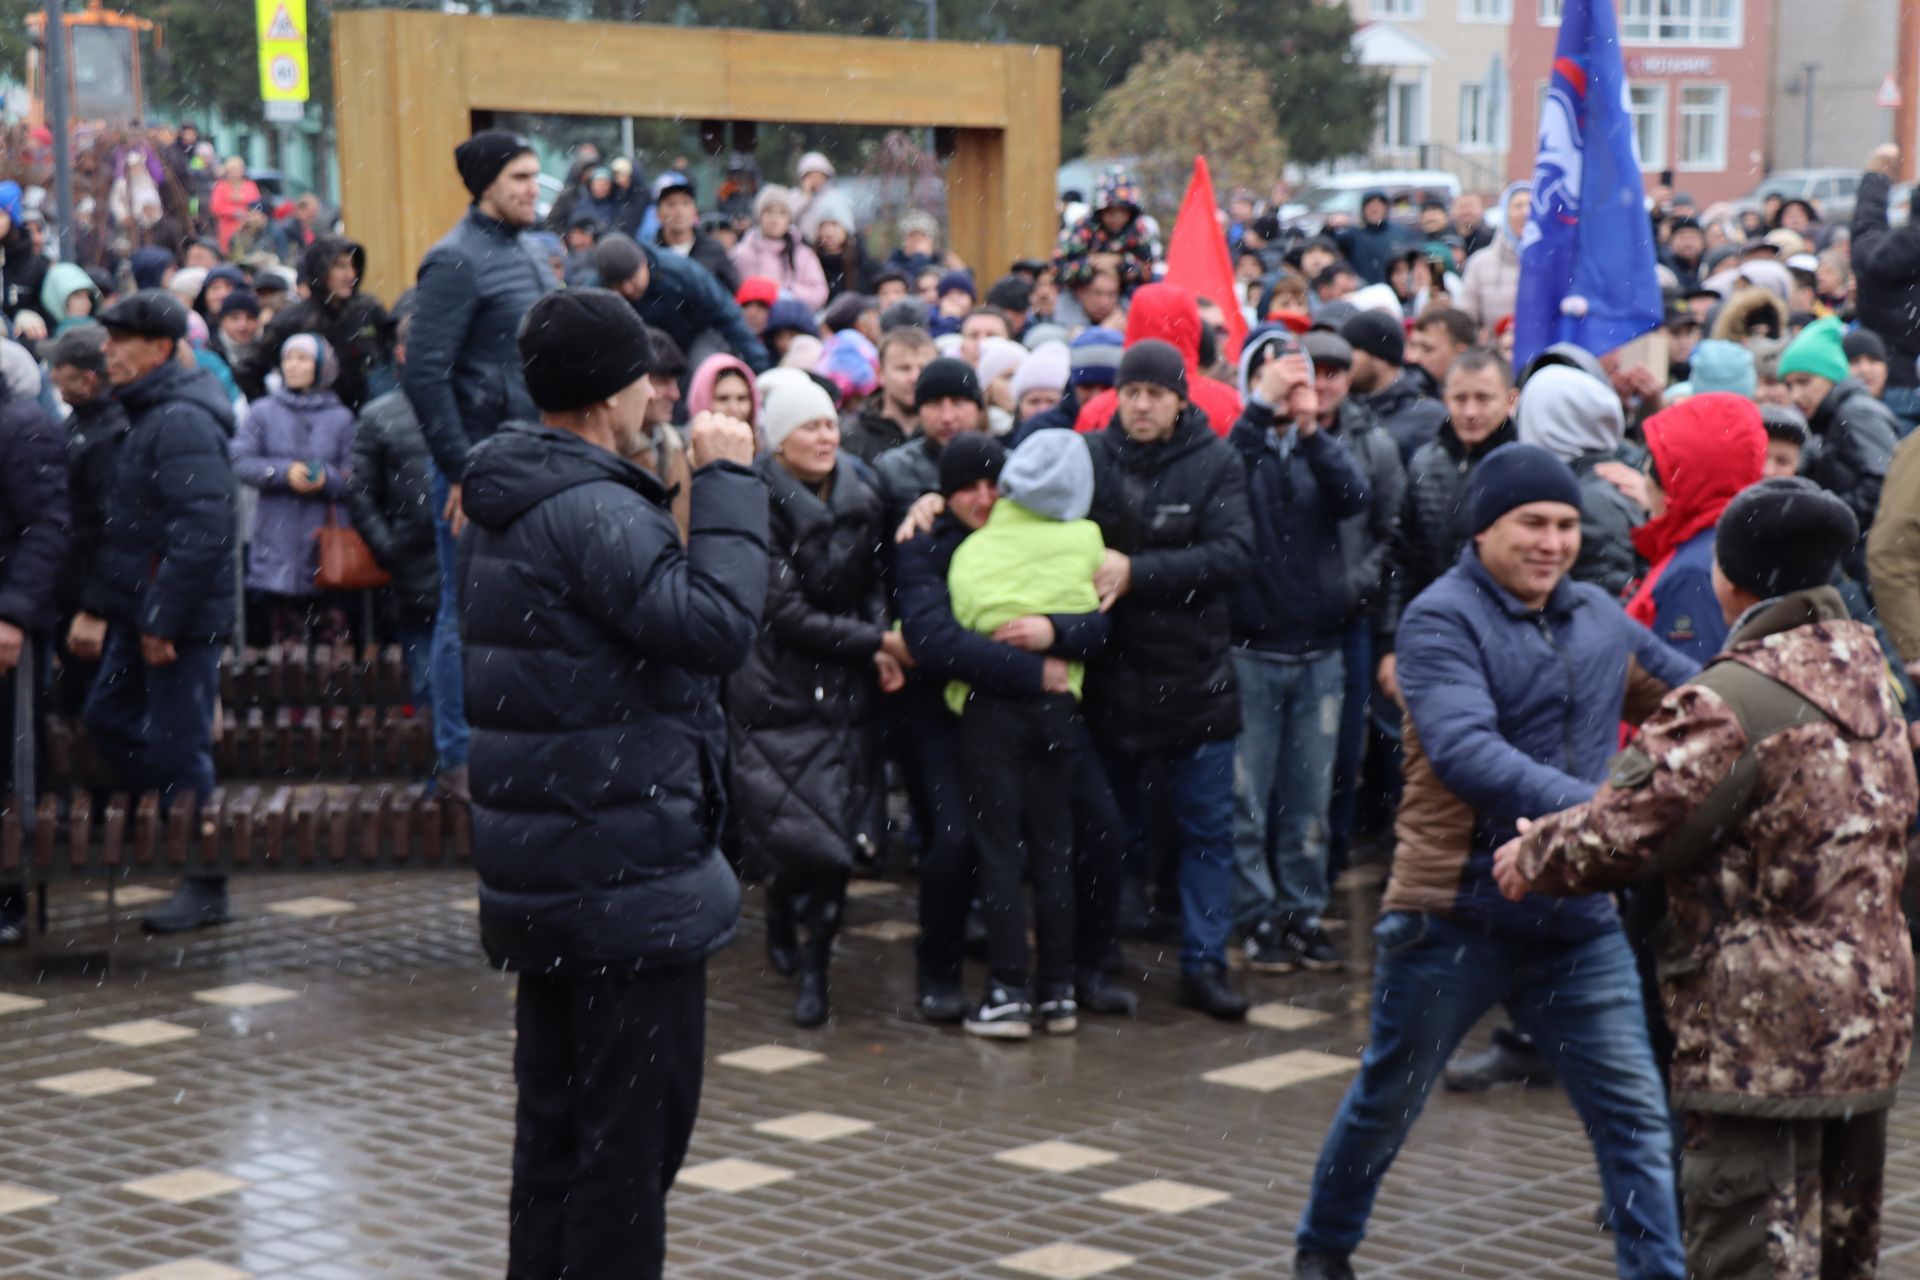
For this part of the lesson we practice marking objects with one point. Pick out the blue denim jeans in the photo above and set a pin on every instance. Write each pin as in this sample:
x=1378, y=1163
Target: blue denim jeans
x=450, y=733
x=153, y=726
x=1283, y=775
x=1350, y=757
x=1202, y=781
x=1580, y=1001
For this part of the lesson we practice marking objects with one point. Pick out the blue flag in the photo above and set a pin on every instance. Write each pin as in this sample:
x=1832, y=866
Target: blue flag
x=1586, y=256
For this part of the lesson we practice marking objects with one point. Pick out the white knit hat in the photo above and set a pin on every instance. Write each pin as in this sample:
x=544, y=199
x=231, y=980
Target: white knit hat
x=1046, y=367
x=792, y=399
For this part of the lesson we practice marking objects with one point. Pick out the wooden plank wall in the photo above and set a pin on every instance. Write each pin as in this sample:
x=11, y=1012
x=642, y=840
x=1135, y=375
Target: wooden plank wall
x=408, y=82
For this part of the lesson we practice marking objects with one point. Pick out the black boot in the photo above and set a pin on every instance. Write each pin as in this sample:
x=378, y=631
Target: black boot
x=1207, y=990
x=825, y=906
x=1097, y=993
x=783, y=939
x=199, y=903
x=810, y=1001
x=1510, y=1059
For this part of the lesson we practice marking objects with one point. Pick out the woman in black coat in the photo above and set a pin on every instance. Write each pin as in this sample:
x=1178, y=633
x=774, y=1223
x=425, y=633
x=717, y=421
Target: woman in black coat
x=802, y=713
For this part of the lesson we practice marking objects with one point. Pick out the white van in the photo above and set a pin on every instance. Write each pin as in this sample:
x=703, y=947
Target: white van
x=1341, y=192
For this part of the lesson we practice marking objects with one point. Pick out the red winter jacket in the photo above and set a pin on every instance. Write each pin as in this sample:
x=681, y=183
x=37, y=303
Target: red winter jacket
x=1706, y=449
x=1169, y=313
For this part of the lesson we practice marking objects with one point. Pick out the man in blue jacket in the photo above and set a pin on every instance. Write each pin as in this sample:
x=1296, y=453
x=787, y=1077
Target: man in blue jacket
x=598, y=750
x=463, y=374
x=679, y=297
x=165, y=579
x=1513, y=677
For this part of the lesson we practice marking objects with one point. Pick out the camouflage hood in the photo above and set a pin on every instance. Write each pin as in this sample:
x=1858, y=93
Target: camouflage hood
x=1807, y=642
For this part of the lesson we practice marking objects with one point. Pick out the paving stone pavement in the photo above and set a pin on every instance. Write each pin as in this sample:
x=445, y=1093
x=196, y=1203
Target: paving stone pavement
x=322, y=1091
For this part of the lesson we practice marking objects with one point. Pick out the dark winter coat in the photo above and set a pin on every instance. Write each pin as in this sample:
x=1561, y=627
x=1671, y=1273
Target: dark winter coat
x=357, y=328
x=96, y=431
x=802, y=712
x=870, y=434
x=1434, y=518
x=1366, y=536
x=285, y=428
x=1514, y=714
x=905, y=472
x=463, y=355
x=1299, y=594
x=1608, y=518
x=390, y=493
x=685, y=300
x=1370, y=247
x=33, y=513
x=594, y=648
x=944, y=650
x=1179, y=510
x=1409, y=412
x=712, y=255
x=1852, y=445
x=167, y=563
x=1886, y=263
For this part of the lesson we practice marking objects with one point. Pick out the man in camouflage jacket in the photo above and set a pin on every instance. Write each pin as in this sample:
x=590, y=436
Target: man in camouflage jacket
x=1773, y=793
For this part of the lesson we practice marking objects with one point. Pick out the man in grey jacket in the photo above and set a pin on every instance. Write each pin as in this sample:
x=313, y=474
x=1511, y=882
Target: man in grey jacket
x=463, y=376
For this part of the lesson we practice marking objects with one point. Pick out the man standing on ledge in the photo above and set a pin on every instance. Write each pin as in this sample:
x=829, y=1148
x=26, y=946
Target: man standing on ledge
x=1513, y=678
x=1773, y=793
x=598, y=749
x=463, y=376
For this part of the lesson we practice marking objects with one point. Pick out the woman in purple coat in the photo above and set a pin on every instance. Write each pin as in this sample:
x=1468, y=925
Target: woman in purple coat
x=294, y=448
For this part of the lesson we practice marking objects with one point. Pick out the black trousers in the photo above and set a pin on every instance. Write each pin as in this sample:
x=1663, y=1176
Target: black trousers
x=1018, y=756
x=609, y=1072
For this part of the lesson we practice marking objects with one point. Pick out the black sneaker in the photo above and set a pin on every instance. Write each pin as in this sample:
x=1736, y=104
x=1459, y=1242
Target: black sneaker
x=199, y=903
x=941, y=1001
x=1005, y=1014
x=1057, y=1013
x=1311, y=948
x=13, y=923
x=1095, y=992
x=1510, y=1059
x=1267, y=950
x=1322, y=1266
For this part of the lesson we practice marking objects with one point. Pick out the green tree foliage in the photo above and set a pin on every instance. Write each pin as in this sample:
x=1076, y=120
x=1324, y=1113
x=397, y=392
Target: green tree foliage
x=1177, y=103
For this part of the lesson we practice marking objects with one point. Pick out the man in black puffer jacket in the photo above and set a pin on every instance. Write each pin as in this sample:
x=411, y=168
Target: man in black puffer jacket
x=33, y=542
x=1886, y=263
x=165, y=577
x=596, y=647
x=1853, y=434
x=1170, y=498
x=354, y=324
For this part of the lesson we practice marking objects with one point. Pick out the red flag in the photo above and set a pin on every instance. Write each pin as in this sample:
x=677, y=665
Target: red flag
x=1197, y=258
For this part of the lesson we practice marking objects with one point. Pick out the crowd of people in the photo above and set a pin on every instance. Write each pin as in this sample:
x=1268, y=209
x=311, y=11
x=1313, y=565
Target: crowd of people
x=705, y=533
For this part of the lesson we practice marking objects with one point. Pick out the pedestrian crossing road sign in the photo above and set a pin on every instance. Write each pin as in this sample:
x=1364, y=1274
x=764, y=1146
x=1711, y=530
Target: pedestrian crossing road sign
x=282, y=25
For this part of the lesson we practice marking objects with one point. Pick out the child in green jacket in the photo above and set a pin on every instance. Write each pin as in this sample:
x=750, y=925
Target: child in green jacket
x=1036, y=555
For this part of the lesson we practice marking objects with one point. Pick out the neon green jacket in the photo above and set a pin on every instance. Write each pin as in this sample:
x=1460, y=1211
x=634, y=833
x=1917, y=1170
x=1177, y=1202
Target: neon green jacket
x=1020, y=563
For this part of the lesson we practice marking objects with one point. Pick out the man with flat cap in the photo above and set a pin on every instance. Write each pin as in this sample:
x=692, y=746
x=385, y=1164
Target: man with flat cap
x=164, y=578
x=1772, y=794
x=599, y=745
x=463, y=376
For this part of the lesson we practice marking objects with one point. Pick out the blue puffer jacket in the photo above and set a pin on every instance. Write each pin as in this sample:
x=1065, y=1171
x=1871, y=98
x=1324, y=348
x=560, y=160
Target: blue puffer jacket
x=166, y=561
x=463, y=355
x=594, y=648
x=35, y=514
x=1298, y=597
x=1518, y=713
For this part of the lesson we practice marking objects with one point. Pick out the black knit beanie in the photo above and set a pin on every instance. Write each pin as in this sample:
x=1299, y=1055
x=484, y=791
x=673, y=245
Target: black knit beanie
x=580, y=346
x=1378, y=334
x=1156, y=362
x=968, y=459
x=1781, y=535
x=947, y=378
x=617, y=259
x=1513, y=476
x=481, y=157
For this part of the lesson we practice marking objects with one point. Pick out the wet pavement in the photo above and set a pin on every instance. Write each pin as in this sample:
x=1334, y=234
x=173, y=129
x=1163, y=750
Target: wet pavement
x=322, y=1091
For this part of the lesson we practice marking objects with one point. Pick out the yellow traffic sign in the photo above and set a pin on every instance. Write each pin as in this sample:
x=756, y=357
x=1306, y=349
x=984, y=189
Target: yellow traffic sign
x=282, y=26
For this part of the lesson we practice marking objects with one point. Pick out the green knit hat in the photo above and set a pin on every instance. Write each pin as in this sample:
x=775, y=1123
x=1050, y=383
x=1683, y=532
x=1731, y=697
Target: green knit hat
x=1818, y=351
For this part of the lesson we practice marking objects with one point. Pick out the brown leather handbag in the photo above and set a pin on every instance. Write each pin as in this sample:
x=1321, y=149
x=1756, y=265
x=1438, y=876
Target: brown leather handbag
x=346, y=561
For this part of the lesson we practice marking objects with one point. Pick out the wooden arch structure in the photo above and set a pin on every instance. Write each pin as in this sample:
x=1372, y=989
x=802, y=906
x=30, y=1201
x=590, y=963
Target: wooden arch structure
x=409, y=85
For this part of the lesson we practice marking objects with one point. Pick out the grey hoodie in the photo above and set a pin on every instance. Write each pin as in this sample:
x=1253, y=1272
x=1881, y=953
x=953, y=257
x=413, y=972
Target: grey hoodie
x=1570, y=414
x=1051, y=475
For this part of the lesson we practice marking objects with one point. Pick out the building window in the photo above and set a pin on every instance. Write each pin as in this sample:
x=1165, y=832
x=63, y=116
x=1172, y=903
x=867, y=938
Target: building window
x=1406, y=124
x=1550, y=12
x=1703, y=127
x=1712, y=22
x=1481, y=128
x=1397, y=8
x=1486, y=10
x=1649, y=105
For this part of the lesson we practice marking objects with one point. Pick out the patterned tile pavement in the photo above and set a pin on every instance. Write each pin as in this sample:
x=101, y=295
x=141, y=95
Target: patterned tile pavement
x=322, y=1091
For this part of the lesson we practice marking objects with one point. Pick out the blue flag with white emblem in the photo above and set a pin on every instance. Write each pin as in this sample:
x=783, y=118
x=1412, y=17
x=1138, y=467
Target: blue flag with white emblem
x=1586, y=255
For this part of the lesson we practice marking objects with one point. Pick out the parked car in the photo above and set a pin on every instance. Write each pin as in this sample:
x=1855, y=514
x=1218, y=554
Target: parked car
x=1340, y=193
x=1832, y=191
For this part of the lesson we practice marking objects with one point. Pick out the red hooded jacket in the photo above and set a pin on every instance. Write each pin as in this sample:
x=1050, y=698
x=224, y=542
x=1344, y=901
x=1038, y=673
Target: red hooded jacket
x=1169, y=313
x=1706, y=449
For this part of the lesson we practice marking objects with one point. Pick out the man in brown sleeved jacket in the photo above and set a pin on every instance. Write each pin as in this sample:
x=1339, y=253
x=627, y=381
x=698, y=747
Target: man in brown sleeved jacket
x=1773, y=793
